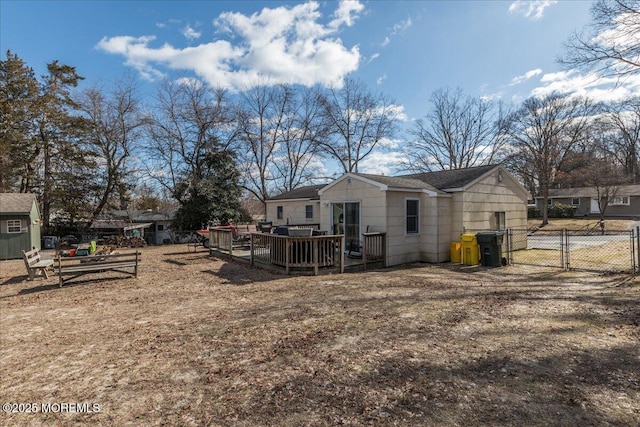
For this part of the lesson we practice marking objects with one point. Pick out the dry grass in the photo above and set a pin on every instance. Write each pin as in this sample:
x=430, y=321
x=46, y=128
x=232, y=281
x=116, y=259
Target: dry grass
x=198, y=341
x=581, y=223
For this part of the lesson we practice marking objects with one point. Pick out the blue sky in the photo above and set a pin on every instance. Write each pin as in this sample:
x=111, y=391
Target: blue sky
x=406, y=49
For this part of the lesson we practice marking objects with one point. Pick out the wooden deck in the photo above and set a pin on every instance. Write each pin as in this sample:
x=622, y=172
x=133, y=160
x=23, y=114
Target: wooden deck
x=300, y=255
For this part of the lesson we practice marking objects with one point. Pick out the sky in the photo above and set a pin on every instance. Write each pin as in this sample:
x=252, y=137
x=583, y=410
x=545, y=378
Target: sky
x=497, y=50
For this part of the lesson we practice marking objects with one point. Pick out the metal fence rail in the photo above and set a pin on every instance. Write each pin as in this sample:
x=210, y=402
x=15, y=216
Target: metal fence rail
x=590, y=250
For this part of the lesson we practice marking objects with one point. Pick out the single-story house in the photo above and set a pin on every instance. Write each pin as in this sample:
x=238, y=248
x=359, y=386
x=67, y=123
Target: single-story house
x=421, y=214
x=299, y=206
x=19, y=224
x=154, y=226
x=626, y=202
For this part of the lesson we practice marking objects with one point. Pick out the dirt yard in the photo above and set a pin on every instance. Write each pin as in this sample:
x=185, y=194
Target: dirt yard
x=197, y=341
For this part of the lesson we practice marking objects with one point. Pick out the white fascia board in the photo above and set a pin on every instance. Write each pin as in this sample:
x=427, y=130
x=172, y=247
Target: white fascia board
x=352, y=176
x=292, y=200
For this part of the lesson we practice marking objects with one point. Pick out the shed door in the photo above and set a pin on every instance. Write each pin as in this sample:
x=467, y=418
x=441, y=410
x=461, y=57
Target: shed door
x=595, y=208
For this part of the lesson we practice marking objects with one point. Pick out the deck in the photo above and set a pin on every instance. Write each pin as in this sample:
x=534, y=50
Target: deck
x=300, y=255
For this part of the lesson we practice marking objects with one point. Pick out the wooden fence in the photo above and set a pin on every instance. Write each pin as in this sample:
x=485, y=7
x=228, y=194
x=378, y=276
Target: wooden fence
x=310, y=253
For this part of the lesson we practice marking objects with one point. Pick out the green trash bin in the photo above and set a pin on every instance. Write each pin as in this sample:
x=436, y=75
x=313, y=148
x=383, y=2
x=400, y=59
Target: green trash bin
x=490, y=248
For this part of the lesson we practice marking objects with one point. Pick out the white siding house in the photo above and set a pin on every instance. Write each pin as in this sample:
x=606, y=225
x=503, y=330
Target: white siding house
x=421, y=214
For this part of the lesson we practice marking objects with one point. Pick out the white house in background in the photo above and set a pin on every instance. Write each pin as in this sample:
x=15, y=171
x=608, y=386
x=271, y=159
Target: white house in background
x=421, y=214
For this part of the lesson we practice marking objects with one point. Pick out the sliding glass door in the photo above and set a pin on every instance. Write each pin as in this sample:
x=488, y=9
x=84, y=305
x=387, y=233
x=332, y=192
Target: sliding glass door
x=345, y=218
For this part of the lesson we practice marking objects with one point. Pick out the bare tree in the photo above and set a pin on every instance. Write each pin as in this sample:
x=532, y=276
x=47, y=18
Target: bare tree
x=622, y=120
x=459, y=132
x=296, y=158
x=115, y=124
x=610, y=44
x=543, y=132
x=262, y=115
x=356, y=122
x=188, y=123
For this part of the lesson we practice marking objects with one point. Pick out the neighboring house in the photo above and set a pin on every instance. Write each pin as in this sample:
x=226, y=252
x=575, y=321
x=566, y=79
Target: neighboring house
x=421, y=214
x=19, y=224
x=625, y=203
x=153, y=226
x=299, y=206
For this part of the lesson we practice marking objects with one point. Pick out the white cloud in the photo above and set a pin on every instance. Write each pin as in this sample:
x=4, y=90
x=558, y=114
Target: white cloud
x=161, y=25
x=491, y=96
x=397, y=29
x=374, y=56
x=190, y=33
x=526, y=76
x=600, y=89
x=381, y=78
x=281, y=45
x=533, y=9
x=381, y=163
x=401, y=27
x=346, y=13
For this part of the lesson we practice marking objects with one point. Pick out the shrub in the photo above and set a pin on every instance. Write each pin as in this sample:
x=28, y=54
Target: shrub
x=559, y=210
x=533, y=212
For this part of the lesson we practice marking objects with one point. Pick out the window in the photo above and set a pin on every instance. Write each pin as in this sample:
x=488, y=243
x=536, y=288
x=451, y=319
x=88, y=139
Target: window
x=499, y=221
x=624, y=200
x=14, y=226
x=279, y=214
x=549, y=201
x=575, y=201
x=308, y=211
x=413, y=216
x=160, y=227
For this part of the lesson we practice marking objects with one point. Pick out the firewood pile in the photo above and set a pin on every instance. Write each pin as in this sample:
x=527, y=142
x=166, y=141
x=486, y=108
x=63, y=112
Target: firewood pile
x=125, y=242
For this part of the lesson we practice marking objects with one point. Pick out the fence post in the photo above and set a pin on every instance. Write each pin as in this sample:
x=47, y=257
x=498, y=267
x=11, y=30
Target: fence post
x=251, y=249
x=638, y=247
x=364, y=250
x=315, y=250
x=564, y=249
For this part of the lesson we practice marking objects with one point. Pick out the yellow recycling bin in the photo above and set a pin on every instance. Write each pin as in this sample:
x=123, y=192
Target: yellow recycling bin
x=456, y=252
x=470, y=251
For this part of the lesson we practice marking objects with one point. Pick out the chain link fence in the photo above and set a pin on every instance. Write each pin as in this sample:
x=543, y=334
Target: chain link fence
x=609, y=251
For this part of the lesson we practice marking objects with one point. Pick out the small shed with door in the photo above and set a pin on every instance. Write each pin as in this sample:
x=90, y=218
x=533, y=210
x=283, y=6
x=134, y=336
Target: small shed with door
x=19, y=224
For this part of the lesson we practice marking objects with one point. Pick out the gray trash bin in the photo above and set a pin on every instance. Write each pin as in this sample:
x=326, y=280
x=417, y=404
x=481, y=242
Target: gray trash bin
x=490, y=243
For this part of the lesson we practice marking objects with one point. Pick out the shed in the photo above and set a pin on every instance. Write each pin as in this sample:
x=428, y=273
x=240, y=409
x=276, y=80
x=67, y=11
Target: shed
x=19, y=224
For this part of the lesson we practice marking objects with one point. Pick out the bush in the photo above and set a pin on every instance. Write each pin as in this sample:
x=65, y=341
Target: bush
x=559, y=210
x=533, y=212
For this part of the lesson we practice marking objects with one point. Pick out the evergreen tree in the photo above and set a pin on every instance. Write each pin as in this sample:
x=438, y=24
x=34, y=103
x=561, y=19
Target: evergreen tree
x=19, y=95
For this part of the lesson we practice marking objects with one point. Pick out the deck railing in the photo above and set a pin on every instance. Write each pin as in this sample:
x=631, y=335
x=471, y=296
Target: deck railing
x=221, y=240
x=311, y=253
x=374, y=248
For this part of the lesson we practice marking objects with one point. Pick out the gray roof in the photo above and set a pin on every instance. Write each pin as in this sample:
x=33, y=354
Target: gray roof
x=434, y=181
x=309, y=192
x=455, y=178
x=399, y=181
x=16, y=203
x=622, y=190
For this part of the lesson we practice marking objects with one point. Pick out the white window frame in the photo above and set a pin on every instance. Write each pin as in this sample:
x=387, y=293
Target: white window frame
x=500, y=221
x=11, y=224
x=573, y=201
x=308, y=209
x=279, y=212
x=619, y=201
x=406, y=217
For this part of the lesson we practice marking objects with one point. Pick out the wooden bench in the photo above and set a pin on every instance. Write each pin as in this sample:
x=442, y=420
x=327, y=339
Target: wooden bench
x=34, y=263
x=77, y=266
